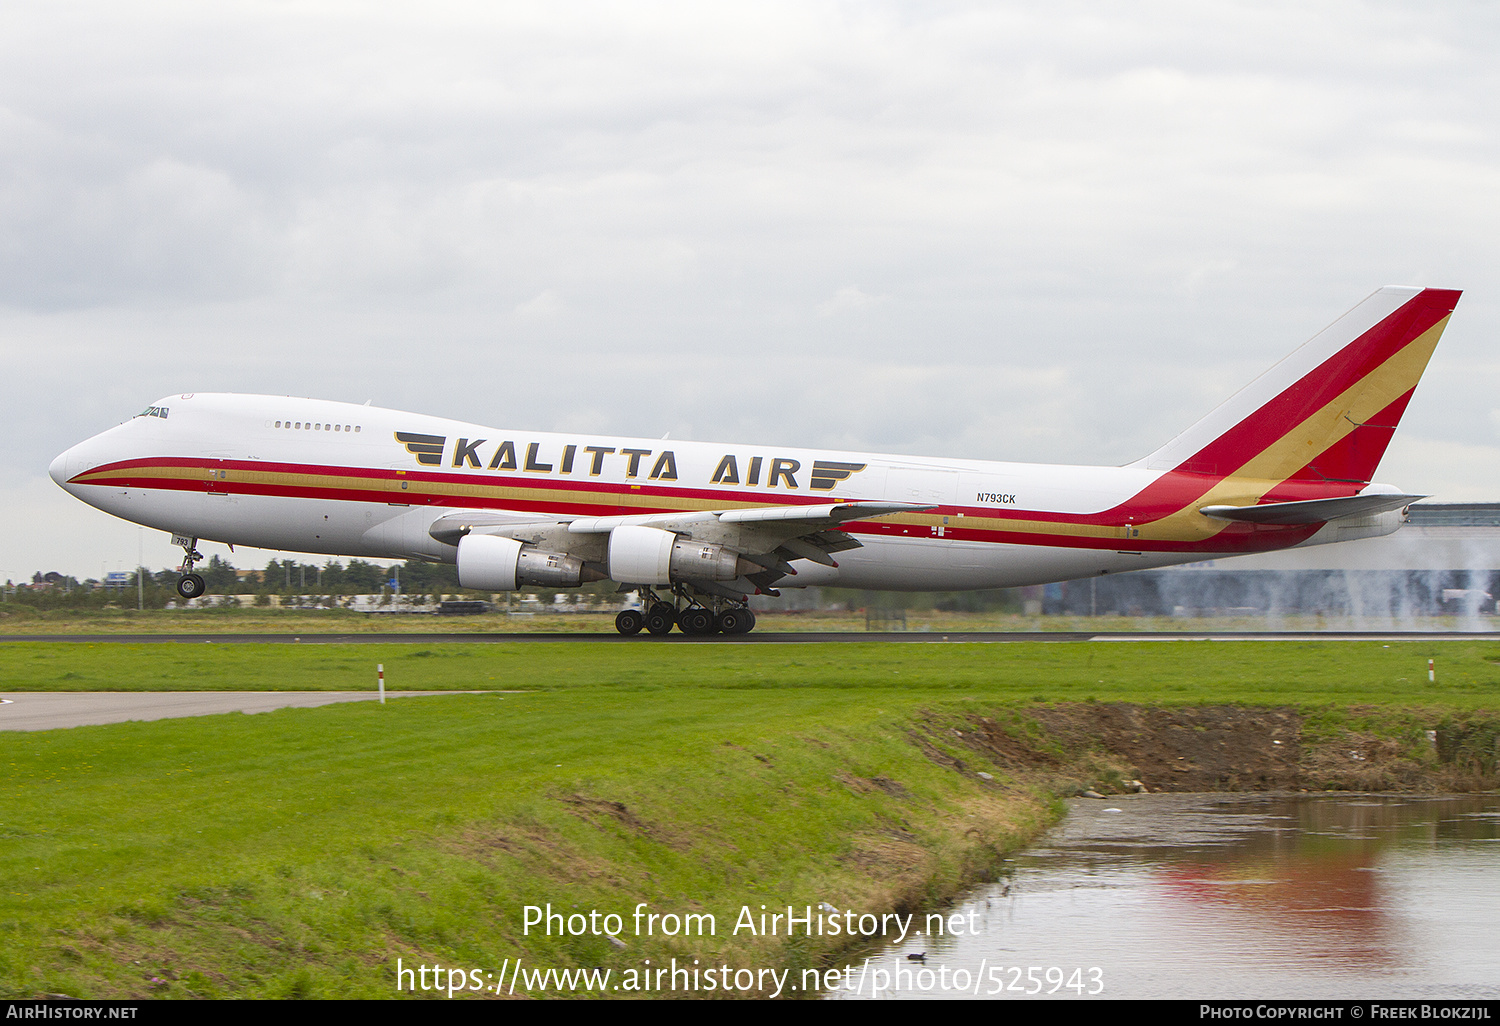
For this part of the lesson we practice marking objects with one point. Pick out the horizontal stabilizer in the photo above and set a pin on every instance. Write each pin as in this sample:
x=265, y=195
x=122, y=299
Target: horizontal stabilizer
x=1314, y=511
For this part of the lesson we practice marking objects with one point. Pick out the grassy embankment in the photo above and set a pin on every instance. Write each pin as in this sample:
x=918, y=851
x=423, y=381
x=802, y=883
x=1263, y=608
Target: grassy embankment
x=302, y=852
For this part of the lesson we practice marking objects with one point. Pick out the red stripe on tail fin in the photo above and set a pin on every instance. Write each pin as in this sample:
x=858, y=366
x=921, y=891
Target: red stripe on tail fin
x=1327, y=411
x=1355, y=456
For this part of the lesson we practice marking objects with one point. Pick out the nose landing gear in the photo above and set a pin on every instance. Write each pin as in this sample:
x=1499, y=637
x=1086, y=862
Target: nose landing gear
x=189, y=585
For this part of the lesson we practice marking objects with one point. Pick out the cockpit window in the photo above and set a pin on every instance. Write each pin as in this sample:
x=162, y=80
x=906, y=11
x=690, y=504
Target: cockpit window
x=154, y=411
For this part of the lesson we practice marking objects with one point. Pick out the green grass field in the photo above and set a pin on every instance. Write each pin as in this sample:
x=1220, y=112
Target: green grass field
x=1293, y=672
x=300, y=853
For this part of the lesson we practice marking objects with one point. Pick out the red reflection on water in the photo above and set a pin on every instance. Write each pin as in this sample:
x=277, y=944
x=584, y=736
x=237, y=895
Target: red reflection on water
x=1326, y=907
x=1309, y=889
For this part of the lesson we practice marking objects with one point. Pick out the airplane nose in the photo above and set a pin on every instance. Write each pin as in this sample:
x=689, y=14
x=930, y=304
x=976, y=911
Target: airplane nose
x=59, y=469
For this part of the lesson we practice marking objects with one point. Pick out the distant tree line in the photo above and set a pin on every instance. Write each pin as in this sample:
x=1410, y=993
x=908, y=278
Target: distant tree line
x=279, y=577
x=285, y=577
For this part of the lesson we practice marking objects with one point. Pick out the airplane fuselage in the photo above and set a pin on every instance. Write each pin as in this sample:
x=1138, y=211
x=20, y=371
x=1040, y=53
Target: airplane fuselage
x=311, y=475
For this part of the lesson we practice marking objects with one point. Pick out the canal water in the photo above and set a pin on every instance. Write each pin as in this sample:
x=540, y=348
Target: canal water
x=1359, y=897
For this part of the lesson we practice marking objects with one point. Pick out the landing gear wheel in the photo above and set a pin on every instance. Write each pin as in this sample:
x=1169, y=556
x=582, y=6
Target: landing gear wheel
x=735, y=621
x=629, y=621
x=665, y=609
x=659, y=623
x=696, y=620
x=190, y=586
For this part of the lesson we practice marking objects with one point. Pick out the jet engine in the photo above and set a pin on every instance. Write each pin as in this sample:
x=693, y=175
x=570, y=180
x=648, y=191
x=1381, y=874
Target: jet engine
x=649, y=555
x=490, y=563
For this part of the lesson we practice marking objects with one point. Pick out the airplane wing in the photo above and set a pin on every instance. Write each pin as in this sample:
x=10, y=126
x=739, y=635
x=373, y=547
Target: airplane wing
x=770, y=537
x=450, y=527
x=802, y=519
x=809, y=518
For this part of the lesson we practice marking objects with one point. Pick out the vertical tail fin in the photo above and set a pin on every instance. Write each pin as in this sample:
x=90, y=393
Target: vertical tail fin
x=1327, y=411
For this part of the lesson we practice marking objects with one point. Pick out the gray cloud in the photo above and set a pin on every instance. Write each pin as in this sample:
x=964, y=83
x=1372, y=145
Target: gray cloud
x=987, y=230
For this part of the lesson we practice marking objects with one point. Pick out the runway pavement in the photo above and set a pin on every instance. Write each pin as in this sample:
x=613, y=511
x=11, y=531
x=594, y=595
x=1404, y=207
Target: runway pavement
x=783, y=638
x=24, y=710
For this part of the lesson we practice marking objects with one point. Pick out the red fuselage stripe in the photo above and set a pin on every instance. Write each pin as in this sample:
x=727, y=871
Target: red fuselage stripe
x=1233, y=538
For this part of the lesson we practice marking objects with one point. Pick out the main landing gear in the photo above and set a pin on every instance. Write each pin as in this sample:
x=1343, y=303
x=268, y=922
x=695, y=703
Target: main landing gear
x=189, y=585
x=659, y=616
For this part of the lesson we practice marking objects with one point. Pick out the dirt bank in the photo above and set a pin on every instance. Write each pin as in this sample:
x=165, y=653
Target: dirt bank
x=1107, y=746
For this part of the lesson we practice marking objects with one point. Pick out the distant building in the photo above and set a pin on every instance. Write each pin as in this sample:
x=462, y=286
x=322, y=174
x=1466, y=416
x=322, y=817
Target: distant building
x=1444, y=561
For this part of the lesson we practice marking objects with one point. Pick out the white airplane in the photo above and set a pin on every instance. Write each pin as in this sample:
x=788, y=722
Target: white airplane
x=699, y=527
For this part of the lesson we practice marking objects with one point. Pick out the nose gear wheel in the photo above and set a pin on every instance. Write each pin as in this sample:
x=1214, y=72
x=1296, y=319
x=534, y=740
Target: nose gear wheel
x=190, y=585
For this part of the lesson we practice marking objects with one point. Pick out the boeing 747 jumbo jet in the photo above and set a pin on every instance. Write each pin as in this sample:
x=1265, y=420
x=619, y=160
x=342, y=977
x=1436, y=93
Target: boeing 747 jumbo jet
x=699, y=527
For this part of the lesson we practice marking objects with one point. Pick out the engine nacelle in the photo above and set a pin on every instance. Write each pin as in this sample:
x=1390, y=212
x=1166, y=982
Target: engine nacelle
x=649, y=555
x=700, y=561
x=640, y=555
x=490, y=563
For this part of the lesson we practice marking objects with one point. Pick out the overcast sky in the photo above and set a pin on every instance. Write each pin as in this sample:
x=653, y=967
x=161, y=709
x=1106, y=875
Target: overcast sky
x=1055, y=233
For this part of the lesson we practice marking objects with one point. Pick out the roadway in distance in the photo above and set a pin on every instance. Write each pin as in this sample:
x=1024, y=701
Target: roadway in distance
x=52, y=710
